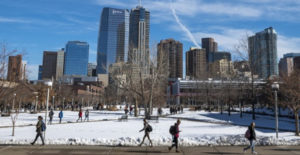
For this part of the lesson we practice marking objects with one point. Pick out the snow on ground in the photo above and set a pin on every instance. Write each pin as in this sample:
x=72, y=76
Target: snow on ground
x=69, y=116
x=261, y=120
x=114, y=132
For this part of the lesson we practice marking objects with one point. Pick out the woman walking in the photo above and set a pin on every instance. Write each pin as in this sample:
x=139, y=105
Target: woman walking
x=251, y=136
x=147, y=128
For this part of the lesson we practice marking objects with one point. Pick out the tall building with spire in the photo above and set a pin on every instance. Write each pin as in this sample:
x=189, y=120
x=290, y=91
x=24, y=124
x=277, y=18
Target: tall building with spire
x=139, y=30
x=112, y=38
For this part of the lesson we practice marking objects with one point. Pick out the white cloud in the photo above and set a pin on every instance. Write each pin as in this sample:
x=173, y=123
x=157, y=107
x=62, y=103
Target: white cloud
x=32, y=71
x=287, y=45
x=12, y=20
x=228, y=38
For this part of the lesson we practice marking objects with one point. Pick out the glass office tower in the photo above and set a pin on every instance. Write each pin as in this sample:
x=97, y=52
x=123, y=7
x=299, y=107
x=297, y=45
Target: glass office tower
x=139, y=30
x=76, y=58
x=263, y=53
x=112, y=38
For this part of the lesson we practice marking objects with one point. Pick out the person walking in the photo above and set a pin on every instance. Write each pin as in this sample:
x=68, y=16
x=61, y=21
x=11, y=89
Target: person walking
x=130, y=109
x=51, y=114
x=251, y=136
x=86, y=114
x=174, y=131
x=126, y=110
x=40, y=128
x=147, y=128
x=79, y=115
x=60, y=116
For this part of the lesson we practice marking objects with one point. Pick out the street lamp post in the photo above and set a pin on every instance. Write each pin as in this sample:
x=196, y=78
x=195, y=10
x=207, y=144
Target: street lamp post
x=63, y=105
x=49, y=84
x=53, y=102
x=275, y=87
x=13, y=105
x=36, y=103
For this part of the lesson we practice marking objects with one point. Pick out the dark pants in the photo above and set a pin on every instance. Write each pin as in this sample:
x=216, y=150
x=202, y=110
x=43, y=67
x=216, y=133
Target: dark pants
x=86, y=118
x=60, y=120
x=79, y=118
x=39, y=134
x=146, y=135
x=50, y=121
x=175, y=142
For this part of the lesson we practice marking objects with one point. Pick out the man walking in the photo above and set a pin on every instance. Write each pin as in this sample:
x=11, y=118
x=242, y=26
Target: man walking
x=79, y=115
x=40, y=128
x=60, y=116
x=147, y=128
x=51, y=113
x=251, y=136
x=87, y=113
x=174, y=130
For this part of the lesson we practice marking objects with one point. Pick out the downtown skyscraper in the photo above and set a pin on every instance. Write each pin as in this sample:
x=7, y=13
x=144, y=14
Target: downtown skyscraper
x=112, y=38
x=15, y=68
x=76, y=58
x=139, y=37
x=169, y=53
x=263, y=53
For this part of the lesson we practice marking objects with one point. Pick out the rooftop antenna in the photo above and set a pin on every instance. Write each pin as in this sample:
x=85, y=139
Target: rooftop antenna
x=140, y=3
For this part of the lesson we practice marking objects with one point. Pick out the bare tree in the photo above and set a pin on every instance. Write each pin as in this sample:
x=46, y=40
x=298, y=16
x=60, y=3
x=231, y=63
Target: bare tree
x=290, y=91
x=243, y=53
x=143, y=87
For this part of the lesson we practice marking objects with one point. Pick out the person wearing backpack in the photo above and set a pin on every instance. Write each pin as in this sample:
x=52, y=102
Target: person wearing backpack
x=51, y=113
x=60, y=115
x=147, y=128
x=40, y=128
x=174, y=131
x=251, y=136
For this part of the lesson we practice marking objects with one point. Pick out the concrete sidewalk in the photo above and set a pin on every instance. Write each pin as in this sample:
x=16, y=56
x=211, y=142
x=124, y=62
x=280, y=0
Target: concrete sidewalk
x=99, y=150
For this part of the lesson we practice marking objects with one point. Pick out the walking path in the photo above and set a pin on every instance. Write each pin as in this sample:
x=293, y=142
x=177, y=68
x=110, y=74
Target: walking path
x=93, y=150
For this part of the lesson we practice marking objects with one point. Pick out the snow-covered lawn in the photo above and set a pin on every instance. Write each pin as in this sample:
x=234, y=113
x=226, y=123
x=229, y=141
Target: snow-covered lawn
x=261, y=120
x=114, y=132
x=69, y=116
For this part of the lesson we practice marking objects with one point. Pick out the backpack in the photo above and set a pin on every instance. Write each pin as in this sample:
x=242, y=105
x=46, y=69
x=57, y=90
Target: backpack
x=149, y=128
x=247, y=134
x=172, y=130
x=43, y=126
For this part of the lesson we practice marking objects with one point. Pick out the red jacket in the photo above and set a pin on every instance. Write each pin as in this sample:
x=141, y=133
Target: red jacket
x=80, y=114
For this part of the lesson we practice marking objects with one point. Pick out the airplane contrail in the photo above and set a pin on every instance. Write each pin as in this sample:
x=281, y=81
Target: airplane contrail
x=183, y=27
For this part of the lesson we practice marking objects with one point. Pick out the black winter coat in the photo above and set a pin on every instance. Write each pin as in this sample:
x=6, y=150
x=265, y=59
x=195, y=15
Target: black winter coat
x=252, y=133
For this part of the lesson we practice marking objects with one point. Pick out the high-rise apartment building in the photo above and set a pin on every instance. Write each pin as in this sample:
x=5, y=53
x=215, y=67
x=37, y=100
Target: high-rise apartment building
x=92, y=69
x=263, y=53
x=286, y=64
x=49, y=65
x=112, y=38
x=169, y=53
x=222, y=68
x=296, y=63
x=14, y=72
x=76, y=58
x=139, y=37
x=210, y=47
x=40, y=74
x=60, y=64
x=196, y=63
x=215, y=56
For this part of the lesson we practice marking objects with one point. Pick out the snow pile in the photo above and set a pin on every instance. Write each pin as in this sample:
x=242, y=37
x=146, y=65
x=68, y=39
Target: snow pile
x=162, y=141
x=116, y=133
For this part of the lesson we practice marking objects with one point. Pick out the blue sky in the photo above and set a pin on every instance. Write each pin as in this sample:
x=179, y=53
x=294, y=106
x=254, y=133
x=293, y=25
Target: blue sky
x=33, y=26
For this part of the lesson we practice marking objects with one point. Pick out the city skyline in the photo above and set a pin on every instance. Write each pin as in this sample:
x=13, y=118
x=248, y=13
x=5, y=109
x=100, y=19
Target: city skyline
x=66, y=23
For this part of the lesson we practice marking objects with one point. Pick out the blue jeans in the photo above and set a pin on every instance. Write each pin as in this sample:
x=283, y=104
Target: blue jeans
x=252, y=145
